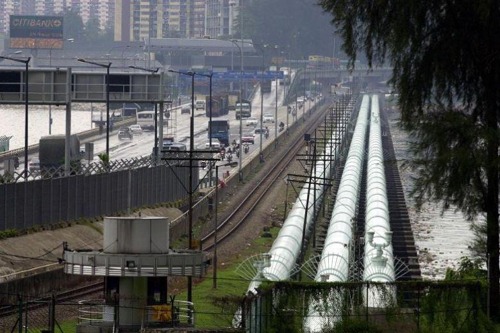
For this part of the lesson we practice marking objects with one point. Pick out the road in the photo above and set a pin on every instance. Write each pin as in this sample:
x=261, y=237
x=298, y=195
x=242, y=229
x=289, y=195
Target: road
x=142, y=145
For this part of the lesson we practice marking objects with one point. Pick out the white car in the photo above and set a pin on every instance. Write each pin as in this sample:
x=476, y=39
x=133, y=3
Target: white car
x=248, y=138
x=215, y=144
x=251, y=121
x=135, y=129
x=268, y=118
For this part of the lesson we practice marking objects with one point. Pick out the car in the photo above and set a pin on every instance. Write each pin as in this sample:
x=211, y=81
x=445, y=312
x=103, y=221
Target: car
x=125, y=133
x=185, y=109
x=215, y=144
x=248, y=138
x=251, y=121
x=267, y=118
x=135, y=129
x=260, y=130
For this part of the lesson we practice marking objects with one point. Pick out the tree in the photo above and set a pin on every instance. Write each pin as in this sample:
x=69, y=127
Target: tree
x=299, y=28
x=446, y=71
x=73, y=24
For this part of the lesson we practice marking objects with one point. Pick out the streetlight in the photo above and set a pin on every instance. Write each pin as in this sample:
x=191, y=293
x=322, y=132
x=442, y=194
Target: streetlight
x=190, y=185
x=153, y=71
x=261, y=159
x=107, y=66
x=210, y=106
x=276, y=102
x=240, y=175
x=26, y=103
x=71, y=40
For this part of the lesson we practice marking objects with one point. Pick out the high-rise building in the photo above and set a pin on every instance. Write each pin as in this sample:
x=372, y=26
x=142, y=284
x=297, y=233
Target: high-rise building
x=136, y=20
x=218, y=21
x=102, y=10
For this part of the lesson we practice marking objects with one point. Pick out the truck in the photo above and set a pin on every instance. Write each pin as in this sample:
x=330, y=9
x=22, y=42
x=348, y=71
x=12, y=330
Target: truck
x=219, y=106
x=232, y=99
x=243, y=109
x=219, y=129
x=52, y=153
x=286, y=76
x=265, y=86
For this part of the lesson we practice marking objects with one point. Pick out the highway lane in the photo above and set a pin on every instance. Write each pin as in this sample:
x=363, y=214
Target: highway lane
x=142, y=145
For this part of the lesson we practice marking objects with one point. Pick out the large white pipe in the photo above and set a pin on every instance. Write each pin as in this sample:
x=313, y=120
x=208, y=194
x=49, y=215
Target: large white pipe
x=336, y=255
x=288, y=244
x=378, y=255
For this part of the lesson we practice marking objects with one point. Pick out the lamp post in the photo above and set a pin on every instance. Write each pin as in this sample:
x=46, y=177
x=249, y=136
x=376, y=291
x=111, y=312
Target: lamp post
x=26, y=103
x=153, y=71
x=240, y=175
x=232, y=3
x=190, y=185
x=107, y=66
x=209, y=106
x=262, y=102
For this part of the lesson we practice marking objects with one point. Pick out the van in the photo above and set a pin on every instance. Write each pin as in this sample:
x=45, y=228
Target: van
x=199, y=104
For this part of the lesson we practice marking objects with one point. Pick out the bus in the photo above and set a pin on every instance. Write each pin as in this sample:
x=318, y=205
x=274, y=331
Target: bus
x=219, y=129
x=146, y=119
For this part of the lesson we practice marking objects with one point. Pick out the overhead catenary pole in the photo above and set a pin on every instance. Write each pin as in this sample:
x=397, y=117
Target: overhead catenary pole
x=190, y=181
x=261, y=157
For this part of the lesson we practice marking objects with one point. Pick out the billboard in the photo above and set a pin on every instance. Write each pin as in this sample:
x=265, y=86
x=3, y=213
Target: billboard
x=36, y=32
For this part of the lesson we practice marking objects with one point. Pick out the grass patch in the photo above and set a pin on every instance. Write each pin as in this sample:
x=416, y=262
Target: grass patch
x=215, y=308
x=66, y=327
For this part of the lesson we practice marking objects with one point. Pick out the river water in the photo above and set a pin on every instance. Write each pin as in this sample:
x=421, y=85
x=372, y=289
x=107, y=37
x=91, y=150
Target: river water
x=12, y=122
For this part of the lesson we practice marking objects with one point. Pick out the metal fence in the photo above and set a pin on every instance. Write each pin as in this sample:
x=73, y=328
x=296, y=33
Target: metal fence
x=417, y=306
x=50, y=197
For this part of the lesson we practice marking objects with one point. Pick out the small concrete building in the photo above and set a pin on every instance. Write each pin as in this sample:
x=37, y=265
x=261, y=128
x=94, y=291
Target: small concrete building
x=135, y=262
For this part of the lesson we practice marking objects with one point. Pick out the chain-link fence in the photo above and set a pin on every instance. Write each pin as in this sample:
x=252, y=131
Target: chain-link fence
x=281, y=307
x=368, y=307
x=87, y=191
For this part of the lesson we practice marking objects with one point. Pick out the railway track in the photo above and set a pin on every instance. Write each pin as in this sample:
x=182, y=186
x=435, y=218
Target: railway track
x=241, y=213
x=64, y=296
